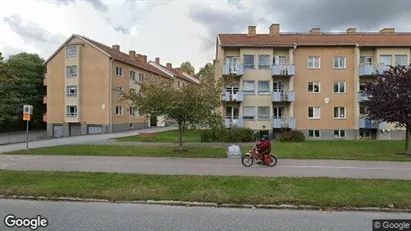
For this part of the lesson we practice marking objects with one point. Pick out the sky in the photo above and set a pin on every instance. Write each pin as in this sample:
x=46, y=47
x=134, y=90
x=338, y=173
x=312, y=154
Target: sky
x=182, y=30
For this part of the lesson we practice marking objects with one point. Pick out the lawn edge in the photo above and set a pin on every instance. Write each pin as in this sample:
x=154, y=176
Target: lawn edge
x=213, y=205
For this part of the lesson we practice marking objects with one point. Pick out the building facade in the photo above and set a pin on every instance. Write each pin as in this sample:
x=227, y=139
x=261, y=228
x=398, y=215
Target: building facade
x=84, y=80
x=307, y=81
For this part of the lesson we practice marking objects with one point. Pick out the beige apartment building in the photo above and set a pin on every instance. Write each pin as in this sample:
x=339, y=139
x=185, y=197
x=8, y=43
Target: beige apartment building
x=307, y=81
x=84, y=80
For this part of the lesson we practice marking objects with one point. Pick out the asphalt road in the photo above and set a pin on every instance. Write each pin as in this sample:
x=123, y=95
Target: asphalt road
x=110, y=216
x=197, y=166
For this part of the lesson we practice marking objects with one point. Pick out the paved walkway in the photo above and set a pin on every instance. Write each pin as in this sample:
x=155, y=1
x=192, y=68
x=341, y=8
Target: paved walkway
x=77, y=139
x=217, y=167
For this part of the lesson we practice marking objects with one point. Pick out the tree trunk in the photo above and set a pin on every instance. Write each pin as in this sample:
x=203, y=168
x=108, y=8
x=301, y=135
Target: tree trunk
x=407, y=140
x=180, y=137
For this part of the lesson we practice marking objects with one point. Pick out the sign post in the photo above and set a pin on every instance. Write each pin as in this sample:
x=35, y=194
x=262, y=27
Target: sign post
x=27, y=112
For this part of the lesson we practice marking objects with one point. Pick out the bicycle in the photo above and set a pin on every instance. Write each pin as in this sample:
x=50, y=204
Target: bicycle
x=252, y=155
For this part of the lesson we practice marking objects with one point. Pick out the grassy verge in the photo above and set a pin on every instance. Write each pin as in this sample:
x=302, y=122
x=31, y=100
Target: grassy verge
x=325, y=192
x=166, y=136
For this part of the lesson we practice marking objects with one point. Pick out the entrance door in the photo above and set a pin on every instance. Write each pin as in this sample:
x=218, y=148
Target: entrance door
x=153, y=121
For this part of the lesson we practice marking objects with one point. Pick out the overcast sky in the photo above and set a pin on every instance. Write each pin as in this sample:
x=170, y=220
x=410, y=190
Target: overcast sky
x=180, y=30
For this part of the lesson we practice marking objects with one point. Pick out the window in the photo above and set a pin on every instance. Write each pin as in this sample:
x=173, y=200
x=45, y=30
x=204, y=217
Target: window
x=314, y=133
x=119, y=71
x=365, y=133
x=249, y=113
x=339, y=62
x=314, y=87
x=385, y=59
x=279, y=60
x=71, y=51
x=132, y=75
x=248, y=61
x=314, y=112
x=263, y=113
x=71, y=111
x=363, y=86
x=401, y=60
x=132, y=111
x=363, y=110
x=119, y=91
x=264, y=62
x=368, y=60
x=119, y=110
x=71, y=71
x=263, y=87
x=314, y=62
x=339, y=87
x=71, y=91
x=339, y=112
x=339, y=133
x=141, y=77
x=249, y=88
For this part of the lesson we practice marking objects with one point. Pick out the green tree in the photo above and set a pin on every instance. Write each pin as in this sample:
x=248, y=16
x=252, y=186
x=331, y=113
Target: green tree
x=191, y=106
x=21, y=82
x=188, y=68
x=207, y=72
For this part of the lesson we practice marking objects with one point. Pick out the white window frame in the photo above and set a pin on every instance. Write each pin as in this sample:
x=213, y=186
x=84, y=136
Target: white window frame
x=260, y=92
x=264, y=66
x=69, y=52
x=249, y=92
x=263, y=117
x=132, y=77
x=119, y=110
x=119, y=71
x=339, y=113
x=74, y=114
x=248, y=66
x=339, y=59
x=119, y=90
x=339, y=86
x=68, y=94
x=340, y=132
x=141, y=77
x=313, y=62
x=314, y=84
x=314, y=131
x=245, y=116
x=70, y=73
x=318, y=109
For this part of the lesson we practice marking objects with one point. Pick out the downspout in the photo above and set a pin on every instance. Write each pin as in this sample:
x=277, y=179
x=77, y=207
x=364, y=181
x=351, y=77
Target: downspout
x=110, y=95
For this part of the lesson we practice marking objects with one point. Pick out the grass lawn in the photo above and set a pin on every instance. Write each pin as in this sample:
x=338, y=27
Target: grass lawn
x=324, y=192
x=166, y=136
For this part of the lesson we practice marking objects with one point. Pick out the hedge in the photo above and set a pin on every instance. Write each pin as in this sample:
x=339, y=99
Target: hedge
x=292, y=136
x=227, y=135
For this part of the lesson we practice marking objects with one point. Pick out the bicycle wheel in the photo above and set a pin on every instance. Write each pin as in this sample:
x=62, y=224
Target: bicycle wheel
x=247, y=160
x=273, y=160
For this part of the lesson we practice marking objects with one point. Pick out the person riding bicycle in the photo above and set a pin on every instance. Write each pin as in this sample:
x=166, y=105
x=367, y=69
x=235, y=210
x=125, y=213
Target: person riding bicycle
x=264, y=148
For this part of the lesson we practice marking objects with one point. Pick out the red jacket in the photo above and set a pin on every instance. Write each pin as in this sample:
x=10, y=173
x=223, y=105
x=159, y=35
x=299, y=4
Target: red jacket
x=265, y=145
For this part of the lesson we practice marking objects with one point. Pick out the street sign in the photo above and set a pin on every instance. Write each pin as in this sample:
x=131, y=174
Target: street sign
x=27, y=112
x=26, y=117
x=28, y=109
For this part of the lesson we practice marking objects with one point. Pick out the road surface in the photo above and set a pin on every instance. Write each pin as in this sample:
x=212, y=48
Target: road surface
x=111, y=216
x=218, y=167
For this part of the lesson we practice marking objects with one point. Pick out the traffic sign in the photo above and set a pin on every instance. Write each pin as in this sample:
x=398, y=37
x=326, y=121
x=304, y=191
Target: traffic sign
x=26, y=117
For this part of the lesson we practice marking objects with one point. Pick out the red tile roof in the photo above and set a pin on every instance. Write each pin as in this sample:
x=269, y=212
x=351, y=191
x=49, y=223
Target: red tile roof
x=125, y=58
x=177, y=72
x=322, y=39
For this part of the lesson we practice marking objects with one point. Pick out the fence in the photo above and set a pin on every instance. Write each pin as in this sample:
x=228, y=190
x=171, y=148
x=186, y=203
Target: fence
x=18, y=137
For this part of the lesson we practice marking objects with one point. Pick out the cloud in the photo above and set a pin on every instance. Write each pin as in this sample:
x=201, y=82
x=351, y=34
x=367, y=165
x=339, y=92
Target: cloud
x=122, y=30
x=97, y=4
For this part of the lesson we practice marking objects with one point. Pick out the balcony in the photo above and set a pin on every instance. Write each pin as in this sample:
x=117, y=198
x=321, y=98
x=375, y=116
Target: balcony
x=286, y=96
x=228, y=97
x=370, y=70
x=233, y=122
x=362, y=97
x=230, y=69
x=284, y=122
x=44, y=117
x=370, y=124
x=45, y=99
x=283, y=70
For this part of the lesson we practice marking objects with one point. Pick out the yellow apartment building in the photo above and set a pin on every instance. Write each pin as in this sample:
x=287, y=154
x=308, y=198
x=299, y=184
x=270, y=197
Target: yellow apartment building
x=84, y=80
x=307, y=81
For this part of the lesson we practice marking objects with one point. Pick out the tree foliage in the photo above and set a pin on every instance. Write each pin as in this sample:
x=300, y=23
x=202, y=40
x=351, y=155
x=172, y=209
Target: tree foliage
x=206, y=72
x=389, y=99
x=188, y=68
x=21, y=82
x=192, y=105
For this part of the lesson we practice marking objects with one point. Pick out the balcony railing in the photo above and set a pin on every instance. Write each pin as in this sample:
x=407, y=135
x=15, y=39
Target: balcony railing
x=284, y=122
x=370, y=124
x=368, y=69
x=285, y=96
x=235, y=69
x=45, y=99
x=229, y=97
x=362, y=97
x=283, y=70
x=44, y=117
x=233, y=122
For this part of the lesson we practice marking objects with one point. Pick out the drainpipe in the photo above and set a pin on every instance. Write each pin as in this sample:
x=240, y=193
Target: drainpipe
x=110, y=93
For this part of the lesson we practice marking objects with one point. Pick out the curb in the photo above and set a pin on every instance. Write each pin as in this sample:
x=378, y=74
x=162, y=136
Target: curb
x=214, y=205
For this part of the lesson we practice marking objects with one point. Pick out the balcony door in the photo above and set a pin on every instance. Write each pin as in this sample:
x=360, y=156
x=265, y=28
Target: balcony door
x=233, y=88
x=366, y=60
x=278, y=86
x=231, y=112
x=279, y=60
x=279, y=113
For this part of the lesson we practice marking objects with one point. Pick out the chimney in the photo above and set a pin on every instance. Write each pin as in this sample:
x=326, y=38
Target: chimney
x=388, y=31
x=132, y=54
x=169, y=65
x=351, y=31
x=275, y=29
x=158, y=60
x=144, y=58
x=315, y=31
x=116, y=47
x=252, y=30
x=178, y=69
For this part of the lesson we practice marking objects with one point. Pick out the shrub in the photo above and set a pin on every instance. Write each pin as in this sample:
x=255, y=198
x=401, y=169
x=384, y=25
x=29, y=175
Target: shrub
x=285, y=137
x=292, y=136
x=227, y=135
